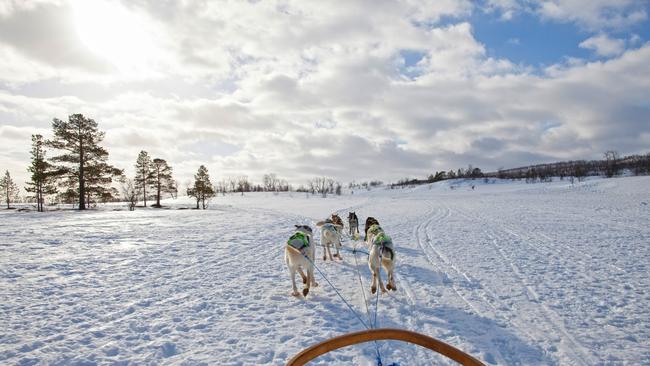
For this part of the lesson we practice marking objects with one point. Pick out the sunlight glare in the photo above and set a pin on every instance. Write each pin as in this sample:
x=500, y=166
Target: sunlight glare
x=115, y=34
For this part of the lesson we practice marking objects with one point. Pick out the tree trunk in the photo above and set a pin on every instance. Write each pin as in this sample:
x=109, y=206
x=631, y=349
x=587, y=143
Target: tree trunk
x=39, y=206
x=158, y=194
x=82, y=182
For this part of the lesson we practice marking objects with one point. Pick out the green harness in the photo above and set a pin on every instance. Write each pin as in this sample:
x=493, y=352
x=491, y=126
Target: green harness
x=298, y=241
x=384, y=241
x=374, y=229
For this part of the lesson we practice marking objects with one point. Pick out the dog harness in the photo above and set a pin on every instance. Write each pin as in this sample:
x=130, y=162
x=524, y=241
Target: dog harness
x=330, y=227
x=298, y=241
x=374, y=229
x=384, y=241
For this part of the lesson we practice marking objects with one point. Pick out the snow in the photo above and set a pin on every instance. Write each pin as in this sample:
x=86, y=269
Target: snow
x=512, y=273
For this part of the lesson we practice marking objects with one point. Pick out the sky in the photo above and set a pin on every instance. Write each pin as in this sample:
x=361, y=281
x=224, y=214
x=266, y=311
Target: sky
x=353, y=90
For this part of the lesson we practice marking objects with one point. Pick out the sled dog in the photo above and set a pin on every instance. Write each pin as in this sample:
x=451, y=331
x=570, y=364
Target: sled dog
x=353, y=221
x=382, y=254
x=369, y=222
x=330, y=235
x=299, y=254
x=337, y=220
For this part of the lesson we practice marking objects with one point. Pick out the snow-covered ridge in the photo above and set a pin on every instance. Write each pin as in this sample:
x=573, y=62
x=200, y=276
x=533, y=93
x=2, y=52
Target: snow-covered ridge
x=513, y=273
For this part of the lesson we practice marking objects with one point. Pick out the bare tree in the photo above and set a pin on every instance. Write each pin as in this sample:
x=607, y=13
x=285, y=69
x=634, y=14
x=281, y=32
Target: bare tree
x=611, y=163
x=243, y=185
x=322, y=185
x=232, y=183
x=130, y=192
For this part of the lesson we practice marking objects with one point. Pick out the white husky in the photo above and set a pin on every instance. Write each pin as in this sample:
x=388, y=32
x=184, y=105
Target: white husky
x=382, y=254
x=330, y=235
x=299, y=255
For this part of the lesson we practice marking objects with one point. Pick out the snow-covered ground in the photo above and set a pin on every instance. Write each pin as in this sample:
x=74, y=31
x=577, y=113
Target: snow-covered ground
x=512, y=273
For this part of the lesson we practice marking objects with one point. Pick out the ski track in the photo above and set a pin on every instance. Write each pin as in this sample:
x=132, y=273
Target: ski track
x=514, y=274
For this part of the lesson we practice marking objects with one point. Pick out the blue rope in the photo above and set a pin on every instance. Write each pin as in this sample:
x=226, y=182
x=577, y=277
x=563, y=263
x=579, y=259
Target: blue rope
x=337, y=292
x=354, y=250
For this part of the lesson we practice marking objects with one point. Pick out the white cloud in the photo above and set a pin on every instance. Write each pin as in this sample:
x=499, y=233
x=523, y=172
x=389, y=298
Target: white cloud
x=308, y=88
x=592, y=15
x=595, y=14
x=603, y=45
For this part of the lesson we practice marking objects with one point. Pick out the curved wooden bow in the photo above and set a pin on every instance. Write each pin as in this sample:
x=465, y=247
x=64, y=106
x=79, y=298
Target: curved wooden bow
x=349, y=339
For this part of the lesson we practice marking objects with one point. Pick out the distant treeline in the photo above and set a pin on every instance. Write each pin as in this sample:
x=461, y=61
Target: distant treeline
x=611, y=165
x=79, y=174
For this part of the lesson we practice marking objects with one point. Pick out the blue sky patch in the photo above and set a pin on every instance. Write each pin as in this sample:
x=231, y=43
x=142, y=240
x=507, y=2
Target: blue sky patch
x=529, y=40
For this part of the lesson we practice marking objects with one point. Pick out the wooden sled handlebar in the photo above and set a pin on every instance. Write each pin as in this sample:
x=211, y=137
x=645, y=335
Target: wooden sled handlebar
x=408, y=336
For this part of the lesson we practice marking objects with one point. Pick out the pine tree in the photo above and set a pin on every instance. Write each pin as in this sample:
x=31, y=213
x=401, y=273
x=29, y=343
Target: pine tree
x=202, y=189
x=98, y=182
x=161, y=178
x=43, y=173
x=143, y=174
x=84, y=162
x=8, y=189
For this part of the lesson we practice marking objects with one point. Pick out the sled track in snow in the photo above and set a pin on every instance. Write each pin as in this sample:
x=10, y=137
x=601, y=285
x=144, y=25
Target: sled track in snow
x=576, y=352
x=437, y=259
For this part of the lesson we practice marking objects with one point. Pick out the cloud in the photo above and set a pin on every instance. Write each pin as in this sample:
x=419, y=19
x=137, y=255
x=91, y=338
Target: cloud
x=603, y=45
x=591, y=15
x=305, y=89
x=594, y=14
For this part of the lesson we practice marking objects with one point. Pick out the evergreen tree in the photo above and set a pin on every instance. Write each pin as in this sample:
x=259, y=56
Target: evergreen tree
x=43, y=173
x=162, y=178
x=8, y=189
x=143, y=174
x=84, y=162
x=98, y=182
x=202, y=189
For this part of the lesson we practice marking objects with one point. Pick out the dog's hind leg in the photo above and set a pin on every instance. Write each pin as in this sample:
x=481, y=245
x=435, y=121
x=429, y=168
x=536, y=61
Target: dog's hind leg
x=390, y=285
x=310, y=276
x=391, y=282
x=293, y=282
x=329, y=251
x=374, y=268
x=373, y=287
x=302, y=274
x=381, y=283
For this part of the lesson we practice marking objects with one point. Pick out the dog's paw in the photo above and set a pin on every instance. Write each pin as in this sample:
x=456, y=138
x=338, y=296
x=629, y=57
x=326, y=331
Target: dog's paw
x=373, y=289
x=305, y=291
x=325, y=258
x=304, y=280
x=295, y=294
x=389, y=287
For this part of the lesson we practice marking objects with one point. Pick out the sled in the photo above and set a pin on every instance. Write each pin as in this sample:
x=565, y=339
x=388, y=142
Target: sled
x=408, y=336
